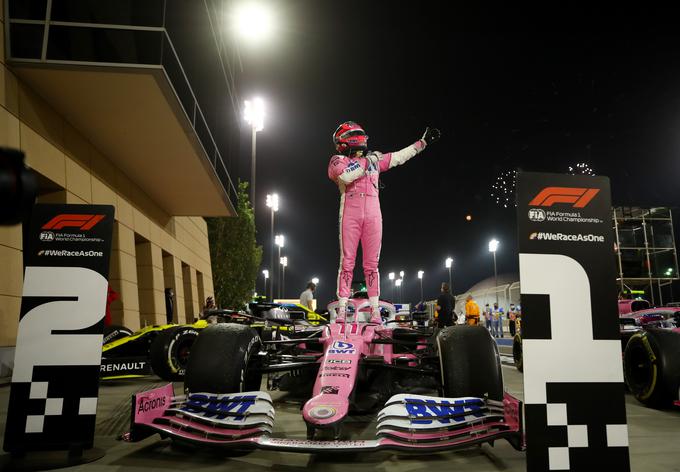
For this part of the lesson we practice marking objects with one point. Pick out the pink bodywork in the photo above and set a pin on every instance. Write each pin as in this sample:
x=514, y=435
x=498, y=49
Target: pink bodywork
x=629, y=306
x=345, y=344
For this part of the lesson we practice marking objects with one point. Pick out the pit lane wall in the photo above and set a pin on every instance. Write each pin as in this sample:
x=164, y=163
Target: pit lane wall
x=152, y=249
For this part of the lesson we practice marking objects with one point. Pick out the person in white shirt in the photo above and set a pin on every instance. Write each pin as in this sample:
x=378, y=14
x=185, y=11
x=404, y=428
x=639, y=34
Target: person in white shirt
x=307, y=297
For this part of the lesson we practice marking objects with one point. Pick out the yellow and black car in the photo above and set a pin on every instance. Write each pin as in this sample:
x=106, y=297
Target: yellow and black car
x=164, y=350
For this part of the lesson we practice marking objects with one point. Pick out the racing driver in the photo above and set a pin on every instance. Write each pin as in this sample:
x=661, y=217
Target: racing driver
x=356, y=172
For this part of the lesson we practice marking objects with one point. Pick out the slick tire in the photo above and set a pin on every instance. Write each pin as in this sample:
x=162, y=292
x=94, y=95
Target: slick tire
x=470, y=363
x=651, y=366
x=114, y=333
x=169, y=352
x=224, y=360
x=517, y=354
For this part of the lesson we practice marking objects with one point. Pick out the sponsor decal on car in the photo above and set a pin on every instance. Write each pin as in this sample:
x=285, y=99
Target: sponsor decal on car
x=147, y=404
x=332, y=367
x=338, y=361
x=340, y=347
x=122, y=366
x=220, y=406
x=442, y=411
x=308, y=443
x=330, y=389
x=333, y=374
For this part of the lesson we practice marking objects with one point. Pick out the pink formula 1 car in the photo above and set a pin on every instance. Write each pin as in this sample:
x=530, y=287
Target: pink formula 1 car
x=432, y=389
x=651, y=358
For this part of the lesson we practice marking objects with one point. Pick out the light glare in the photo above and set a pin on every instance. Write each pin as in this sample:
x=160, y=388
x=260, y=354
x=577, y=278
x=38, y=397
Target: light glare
x=493, y=245
x=254, y=22
x=254, y=113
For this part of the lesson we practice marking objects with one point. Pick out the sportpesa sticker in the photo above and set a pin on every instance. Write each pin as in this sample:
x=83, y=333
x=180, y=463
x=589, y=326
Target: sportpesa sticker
x=340, y=347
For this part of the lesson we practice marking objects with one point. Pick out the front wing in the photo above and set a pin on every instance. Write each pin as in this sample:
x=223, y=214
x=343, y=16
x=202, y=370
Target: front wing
x=246, y=421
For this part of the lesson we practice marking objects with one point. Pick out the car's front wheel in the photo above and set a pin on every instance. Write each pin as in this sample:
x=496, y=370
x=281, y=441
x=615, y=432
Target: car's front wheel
x=224, y=360
x=651, y=365
x=470, y=363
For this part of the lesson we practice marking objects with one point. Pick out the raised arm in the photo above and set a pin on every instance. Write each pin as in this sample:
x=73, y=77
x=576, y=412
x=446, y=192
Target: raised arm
x=394, y=159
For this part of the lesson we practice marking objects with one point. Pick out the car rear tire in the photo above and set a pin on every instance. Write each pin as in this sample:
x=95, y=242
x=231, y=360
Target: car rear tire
x=470, y=363
x=224, y=360
x=114, y=333
x=651, y=365
x=169, y=352
x=517, y=353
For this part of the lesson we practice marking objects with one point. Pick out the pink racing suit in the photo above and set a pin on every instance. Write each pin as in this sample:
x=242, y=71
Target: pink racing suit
x=360, y=216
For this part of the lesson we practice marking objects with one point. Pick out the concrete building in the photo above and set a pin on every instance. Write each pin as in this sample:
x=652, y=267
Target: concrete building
x=98, y=99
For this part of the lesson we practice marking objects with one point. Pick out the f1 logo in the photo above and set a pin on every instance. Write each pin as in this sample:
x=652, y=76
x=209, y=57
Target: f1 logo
x=83, y=222
x=580, y=197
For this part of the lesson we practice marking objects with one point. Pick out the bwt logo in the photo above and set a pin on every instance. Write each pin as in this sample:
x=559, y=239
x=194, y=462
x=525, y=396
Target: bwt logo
x=82, y=222
x=220, y=406
x=443, y=411
x=340, y=347
x=580, y=197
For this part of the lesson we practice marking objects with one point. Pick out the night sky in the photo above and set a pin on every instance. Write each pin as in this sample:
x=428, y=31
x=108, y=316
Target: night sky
x=506, y=90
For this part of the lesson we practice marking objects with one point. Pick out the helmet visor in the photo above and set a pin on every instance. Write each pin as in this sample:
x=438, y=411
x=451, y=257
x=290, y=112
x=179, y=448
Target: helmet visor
x=352, y=133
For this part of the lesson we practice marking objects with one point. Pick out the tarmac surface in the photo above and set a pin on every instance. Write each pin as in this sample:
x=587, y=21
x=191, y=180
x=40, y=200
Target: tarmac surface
x=654, y=441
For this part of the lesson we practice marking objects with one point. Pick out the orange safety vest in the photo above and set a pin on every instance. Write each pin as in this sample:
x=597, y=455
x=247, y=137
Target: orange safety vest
x=472, y=309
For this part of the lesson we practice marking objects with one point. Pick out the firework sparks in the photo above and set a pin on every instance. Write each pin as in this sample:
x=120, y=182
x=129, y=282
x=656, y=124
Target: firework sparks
x=503, y=189
x=581, y=168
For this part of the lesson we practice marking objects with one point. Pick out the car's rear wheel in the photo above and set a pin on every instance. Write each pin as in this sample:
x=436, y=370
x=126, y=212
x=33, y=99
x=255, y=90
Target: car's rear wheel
x=470, y=363
x=224, y=360
x=169, y=352
x=651, y=365
x=517, y=353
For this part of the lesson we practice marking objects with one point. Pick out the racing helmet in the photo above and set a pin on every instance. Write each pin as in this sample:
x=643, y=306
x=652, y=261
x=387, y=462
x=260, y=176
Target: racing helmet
x=349, y=137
